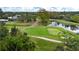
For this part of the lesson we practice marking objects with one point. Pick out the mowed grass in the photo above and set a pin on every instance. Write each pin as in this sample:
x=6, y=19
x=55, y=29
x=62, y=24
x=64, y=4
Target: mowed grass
x=43, y=45
x=37, y=31
x=49, y=32
x=14, y=23
x=67, y=22
x=42, y=31
x=54, y=31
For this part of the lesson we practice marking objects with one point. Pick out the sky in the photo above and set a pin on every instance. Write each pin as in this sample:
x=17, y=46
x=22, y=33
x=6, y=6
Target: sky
x=40, y=3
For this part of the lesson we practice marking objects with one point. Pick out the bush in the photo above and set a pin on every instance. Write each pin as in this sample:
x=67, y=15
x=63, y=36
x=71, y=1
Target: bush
x=3, y=32
x=75, y=18
x=71, y=44
x=13, y=42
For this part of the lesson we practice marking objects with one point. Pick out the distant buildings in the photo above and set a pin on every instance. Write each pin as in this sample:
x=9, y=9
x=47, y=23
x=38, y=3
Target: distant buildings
x=14, y=17
x=3, y=21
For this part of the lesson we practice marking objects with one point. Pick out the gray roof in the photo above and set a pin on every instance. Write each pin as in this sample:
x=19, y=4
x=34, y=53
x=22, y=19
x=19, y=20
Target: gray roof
x=3, y=20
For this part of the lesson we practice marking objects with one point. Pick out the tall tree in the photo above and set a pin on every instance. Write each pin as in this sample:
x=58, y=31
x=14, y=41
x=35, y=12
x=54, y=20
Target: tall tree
x=1, y=13
x=43, y=15
x=1, y=10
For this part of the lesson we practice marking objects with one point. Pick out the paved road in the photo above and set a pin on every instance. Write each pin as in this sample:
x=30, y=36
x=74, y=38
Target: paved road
x=51, y=40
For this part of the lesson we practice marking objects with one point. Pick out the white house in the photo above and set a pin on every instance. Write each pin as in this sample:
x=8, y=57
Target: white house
x=14, y=17
x=3, y=21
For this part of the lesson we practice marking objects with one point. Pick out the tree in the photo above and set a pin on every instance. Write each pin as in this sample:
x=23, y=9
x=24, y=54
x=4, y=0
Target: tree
x=1, y=13
x=3, y=32
x=43, y=15
x=14, y=31
x=1, y=10
x=16, y=42
x=75, y=18
x=70, y=44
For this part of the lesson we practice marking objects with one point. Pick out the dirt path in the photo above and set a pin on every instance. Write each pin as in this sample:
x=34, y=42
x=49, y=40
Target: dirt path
x=51, y=40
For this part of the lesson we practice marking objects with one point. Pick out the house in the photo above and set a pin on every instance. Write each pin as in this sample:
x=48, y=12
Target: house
x=13, y=18
x=3, y=21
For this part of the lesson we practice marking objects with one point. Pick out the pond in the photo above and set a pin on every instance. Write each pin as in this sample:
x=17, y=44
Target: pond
x=72, y=28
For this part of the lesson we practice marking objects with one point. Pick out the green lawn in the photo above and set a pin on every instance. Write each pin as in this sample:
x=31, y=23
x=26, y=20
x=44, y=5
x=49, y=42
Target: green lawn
x=43, y=31
x=10, y=23
x=37, y=31
x=49, y=32
x=54, y=31
x=67, y=22
x=43, y=45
